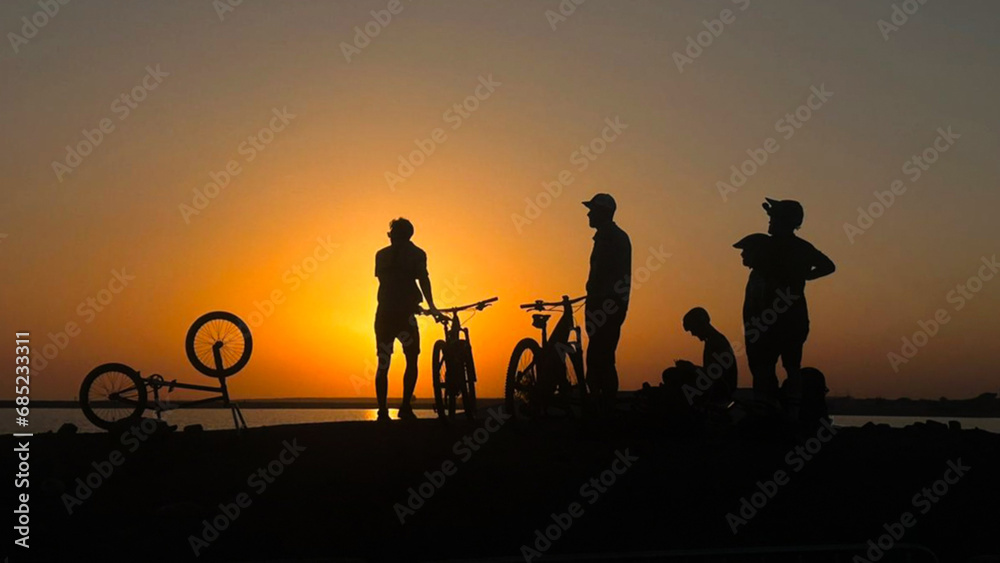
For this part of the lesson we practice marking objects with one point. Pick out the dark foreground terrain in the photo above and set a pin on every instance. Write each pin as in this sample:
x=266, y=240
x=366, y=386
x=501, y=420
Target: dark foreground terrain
x=339, y=490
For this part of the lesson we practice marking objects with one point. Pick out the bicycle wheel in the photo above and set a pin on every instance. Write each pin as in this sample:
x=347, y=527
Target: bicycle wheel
x=439, y=369
x=574, y=360
x=469, y=389
x=521, y=386
x=218, y=344
x=112, y=394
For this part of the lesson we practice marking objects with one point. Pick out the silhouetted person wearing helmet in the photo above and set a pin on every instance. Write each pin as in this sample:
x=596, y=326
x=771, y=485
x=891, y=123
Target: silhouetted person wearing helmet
x=399, y=267
x=608, y=287
x=781, y=267
x=715, y=379
x=758, y=255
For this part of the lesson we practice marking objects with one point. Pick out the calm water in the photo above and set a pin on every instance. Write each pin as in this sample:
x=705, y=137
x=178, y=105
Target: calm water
x=44, y=420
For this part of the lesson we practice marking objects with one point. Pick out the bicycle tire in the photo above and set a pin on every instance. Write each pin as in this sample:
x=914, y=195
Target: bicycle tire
x=226, y=330
x=576, y=360
x=469, y=396
x=520, y=384
x=102, y=382
x=440, y=383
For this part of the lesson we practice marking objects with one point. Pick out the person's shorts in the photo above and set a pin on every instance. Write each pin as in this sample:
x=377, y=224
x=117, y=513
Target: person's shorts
x=391, y=326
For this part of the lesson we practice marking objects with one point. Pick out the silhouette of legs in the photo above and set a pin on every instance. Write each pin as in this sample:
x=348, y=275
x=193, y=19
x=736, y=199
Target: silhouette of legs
x=389, y=327
x=382, y=379
x=602, y=373
x=762, y=358
x=791, y=360
x=409, y=379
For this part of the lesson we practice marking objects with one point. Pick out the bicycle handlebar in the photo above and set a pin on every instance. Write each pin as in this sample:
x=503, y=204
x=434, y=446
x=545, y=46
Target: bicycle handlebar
x=479, y=306
x=540, y=305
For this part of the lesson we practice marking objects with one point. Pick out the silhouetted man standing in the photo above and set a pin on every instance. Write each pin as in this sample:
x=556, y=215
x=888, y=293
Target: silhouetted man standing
x=608, y=289
x=759, y=302
x=790, y=263
x=399, y=267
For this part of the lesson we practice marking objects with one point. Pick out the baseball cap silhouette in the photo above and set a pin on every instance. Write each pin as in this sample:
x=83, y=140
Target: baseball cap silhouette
x=602, y=200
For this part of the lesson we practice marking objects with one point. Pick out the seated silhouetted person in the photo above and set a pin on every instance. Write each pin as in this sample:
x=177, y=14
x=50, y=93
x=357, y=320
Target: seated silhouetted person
x=399, y=267
x=813, y=410
x=713, y=382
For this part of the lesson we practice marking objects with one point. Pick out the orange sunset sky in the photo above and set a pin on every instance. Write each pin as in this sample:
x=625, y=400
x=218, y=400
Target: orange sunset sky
x=556, y=82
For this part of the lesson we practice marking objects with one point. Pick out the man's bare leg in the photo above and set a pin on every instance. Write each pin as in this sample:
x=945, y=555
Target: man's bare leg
x=409, y=381
x=382, y=382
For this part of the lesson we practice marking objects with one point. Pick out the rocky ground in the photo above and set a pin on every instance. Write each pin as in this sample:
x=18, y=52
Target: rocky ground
x=425, y=490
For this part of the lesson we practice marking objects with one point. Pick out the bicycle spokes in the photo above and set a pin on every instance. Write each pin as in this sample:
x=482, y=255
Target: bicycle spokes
x=219, y=339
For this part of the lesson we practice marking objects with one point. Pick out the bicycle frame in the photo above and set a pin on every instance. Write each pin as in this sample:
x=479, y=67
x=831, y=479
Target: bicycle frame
x=565, y=327
x=157, y=382
x=453, y=329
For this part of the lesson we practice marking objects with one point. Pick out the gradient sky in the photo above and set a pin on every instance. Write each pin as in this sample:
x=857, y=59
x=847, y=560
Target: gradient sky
x=323, y=176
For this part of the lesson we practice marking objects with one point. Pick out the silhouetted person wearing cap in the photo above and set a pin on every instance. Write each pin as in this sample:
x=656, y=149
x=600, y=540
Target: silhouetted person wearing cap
x=758, y=255
x=715, y=379
x=608, y=287
x=784, y=263
x=399, y=267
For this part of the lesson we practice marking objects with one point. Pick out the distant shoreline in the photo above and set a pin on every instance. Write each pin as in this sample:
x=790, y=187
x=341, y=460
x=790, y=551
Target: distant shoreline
x=986, y=405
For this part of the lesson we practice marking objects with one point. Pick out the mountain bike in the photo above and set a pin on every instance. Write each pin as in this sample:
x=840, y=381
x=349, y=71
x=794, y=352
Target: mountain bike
x=218, y=345
x=545, y=378
x=452, y=365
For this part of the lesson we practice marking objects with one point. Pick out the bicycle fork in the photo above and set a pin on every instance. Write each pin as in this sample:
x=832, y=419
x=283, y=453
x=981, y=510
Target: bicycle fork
x=234, y=408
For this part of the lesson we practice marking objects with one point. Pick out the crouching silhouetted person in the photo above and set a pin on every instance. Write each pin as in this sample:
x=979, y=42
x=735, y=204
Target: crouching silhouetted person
x=812, y=409
x=713, y=382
